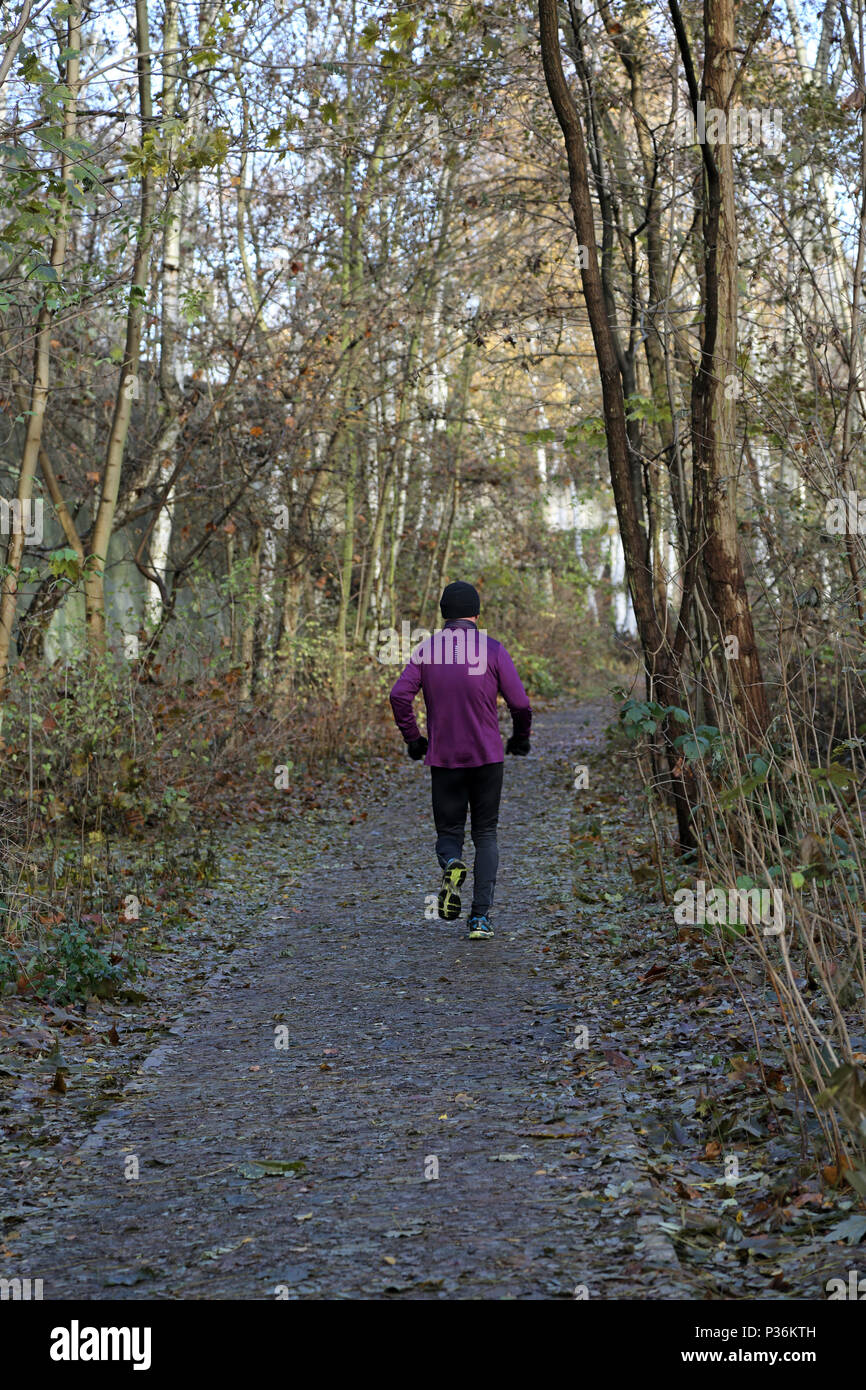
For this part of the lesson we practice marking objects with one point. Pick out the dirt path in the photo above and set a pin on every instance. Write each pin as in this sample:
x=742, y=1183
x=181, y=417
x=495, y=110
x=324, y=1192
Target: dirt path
x=376, y=1048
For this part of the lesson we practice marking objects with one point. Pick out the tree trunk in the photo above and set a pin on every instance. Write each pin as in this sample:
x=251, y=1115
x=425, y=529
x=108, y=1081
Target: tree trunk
x=41, y=359
x=662, y=680
x=715, y=391
x=170, y=385
x=251, y=604
x=293, y=588
x=94, y=573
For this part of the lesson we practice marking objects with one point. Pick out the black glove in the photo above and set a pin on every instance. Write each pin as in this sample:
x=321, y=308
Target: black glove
x=518, y=744
x=416, y=748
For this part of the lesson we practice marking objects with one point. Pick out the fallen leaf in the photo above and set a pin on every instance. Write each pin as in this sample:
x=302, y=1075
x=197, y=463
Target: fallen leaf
x=269, y=1168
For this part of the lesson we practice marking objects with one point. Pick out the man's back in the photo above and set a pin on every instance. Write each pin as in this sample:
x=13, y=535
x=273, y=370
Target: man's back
x=461, y=673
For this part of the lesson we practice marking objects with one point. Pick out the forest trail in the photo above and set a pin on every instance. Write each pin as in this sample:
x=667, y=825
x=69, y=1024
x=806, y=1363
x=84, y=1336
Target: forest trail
x=405, y=1049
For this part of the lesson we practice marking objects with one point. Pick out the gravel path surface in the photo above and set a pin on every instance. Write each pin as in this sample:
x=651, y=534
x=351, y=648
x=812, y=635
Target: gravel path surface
x=446, y=1138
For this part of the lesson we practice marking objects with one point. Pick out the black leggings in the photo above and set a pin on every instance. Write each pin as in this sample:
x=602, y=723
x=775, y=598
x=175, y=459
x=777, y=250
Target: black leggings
x=478, y=789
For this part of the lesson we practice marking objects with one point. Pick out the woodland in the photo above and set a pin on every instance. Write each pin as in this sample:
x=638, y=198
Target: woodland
x=307, y=310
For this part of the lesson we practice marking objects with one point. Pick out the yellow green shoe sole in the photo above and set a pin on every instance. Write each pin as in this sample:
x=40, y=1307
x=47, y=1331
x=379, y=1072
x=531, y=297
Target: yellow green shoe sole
x=449, y=894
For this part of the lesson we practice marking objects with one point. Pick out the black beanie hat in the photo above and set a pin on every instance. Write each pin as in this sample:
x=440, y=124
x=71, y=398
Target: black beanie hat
x=459, y=600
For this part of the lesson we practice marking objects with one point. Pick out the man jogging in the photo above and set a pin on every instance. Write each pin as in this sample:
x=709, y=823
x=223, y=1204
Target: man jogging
x=462, y=671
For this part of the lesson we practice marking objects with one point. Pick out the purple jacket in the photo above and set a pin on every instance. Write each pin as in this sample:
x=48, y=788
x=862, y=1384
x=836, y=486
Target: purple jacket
x=461, y=672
